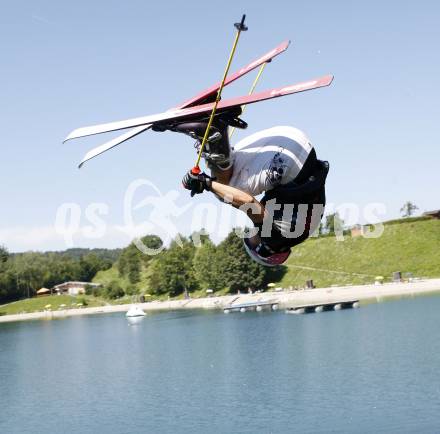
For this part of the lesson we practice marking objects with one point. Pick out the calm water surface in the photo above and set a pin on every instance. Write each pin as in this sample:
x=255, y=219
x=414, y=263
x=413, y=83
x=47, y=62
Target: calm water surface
x=374, y=369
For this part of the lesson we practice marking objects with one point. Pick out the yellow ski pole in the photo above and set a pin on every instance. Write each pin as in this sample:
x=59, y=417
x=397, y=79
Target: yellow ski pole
x=251, y=91
x=240, y=28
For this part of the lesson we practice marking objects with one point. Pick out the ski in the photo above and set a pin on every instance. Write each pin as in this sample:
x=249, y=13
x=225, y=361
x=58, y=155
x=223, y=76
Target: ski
x=211, y=91
x=203, y=96
x=191, y=112
x=112, y=143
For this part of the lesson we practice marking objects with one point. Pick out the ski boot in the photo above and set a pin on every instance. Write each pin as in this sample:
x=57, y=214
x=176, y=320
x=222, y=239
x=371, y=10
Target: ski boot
x=217, y=152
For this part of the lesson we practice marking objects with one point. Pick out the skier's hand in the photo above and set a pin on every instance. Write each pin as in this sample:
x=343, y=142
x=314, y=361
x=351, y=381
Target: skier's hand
x=197, y=183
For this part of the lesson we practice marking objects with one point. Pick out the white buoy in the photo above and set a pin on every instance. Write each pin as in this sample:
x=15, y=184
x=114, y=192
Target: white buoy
x=337, y=306
x=226, y=311
x=319, y=308
x=355, y=305
x=135, y=312
x=274, y=307
x=259, y=308
x=242, y=309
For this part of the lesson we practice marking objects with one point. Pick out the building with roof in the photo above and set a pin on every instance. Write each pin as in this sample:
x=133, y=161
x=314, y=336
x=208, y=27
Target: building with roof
x=432, y=214
x=74, y=288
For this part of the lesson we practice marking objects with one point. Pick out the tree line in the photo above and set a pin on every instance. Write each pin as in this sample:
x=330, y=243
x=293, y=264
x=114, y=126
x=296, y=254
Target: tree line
x=193, y=263
x=190, y=264
x=22, y=274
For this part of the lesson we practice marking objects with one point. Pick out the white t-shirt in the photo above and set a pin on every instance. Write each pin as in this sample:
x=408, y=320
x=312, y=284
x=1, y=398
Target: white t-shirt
x=269, y=158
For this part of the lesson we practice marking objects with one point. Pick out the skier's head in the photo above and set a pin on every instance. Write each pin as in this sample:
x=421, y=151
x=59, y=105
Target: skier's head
x=263, y=256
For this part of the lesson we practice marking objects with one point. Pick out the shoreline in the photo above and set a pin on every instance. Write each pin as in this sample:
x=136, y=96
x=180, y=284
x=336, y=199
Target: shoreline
x=285, y=299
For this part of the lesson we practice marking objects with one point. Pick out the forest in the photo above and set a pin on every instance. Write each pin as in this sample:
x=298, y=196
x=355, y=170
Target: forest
x=193, y=263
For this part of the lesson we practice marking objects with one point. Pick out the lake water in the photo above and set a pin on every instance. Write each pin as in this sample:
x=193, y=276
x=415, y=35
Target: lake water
x=373, y=369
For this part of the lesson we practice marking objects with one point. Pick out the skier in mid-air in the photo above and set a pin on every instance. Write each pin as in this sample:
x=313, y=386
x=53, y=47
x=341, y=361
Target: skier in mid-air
x=279, y=162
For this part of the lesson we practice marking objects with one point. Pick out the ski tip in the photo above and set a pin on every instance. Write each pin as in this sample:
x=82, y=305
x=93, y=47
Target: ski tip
x=86, y=158
x=71, y=136
x=325, y=80
x=328, y=79
x=283, y=46
x=84, y=132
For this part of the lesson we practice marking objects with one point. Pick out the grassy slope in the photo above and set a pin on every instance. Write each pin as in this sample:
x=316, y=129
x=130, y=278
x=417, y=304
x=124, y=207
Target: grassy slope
x=105, y=277
x=412, y=246
x=37, y=304
x=408, y=247
x=142, y=287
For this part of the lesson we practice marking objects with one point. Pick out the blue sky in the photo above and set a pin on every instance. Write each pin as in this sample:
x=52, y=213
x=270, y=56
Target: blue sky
x=71, y=64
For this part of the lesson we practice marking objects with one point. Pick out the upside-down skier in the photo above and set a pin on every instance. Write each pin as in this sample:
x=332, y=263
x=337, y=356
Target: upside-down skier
x=279, y=162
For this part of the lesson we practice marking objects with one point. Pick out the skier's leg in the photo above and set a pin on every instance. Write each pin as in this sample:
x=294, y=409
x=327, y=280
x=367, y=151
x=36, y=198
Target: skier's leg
x=218, y=152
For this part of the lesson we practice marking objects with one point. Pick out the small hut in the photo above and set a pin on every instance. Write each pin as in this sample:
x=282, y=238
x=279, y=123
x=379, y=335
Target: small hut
x=74, y=288
x=432, y=214
x=43, y=291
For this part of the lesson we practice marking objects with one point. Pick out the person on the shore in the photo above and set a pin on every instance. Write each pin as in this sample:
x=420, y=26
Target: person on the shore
x=279, y=162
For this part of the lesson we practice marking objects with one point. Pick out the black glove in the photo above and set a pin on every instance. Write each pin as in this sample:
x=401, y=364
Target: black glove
x=197, y=182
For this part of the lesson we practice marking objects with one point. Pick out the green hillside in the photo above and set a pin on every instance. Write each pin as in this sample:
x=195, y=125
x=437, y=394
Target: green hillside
x=411, y=245
x=406, y=245
x=49, y=302
x=113, y=275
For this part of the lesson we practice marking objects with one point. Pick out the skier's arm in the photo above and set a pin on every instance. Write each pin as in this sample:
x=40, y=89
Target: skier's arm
x=199, y=182
x=239, y=199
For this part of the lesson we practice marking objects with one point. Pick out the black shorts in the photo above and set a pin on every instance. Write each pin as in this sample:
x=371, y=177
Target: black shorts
x=296, y=208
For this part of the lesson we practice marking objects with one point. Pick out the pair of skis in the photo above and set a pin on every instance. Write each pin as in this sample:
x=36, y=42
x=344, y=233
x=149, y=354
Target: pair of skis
x=198, y=106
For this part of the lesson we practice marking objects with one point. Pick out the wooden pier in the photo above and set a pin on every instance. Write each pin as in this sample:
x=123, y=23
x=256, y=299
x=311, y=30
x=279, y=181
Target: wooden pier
x=257, y=306
x=321, y=307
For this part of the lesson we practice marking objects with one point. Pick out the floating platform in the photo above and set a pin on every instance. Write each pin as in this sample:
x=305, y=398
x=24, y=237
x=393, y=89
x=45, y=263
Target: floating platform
x=312, y=308
x=257, y=306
